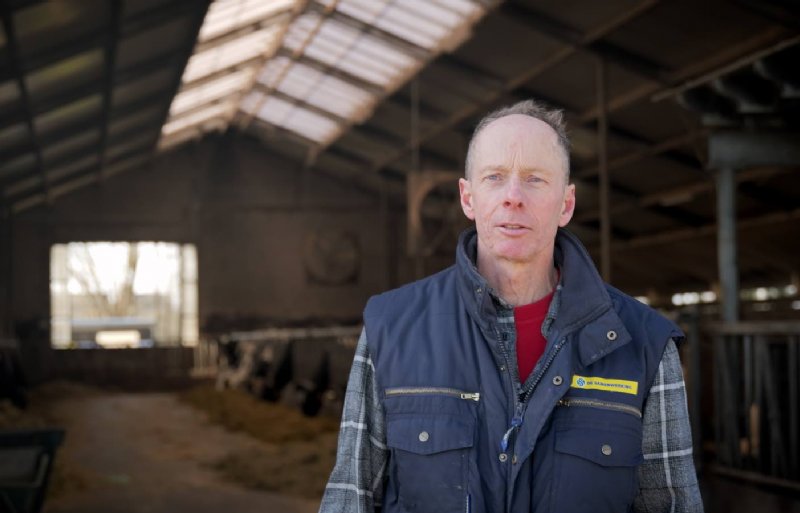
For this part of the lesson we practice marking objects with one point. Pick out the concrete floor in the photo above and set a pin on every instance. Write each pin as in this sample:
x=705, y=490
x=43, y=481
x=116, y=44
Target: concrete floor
x=150, y=453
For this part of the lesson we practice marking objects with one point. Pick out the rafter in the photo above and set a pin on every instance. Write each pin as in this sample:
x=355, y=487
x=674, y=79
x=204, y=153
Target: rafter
x=108, y=87
x=513, y=83
x=15, y=65
x=557, y=30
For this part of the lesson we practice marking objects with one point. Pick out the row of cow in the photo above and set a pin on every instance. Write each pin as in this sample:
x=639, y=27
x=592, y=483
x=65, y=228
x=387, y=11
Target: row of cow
x=304, y=367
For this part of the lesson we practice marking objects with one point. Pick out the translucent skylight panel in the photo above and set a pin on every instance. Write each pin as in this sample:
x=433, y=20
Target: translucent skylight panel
x=311, y=125
x=197, y=117
x=251, y=102
x=299, y=81
x=427, y=10
x=210, y=91
x=300, y=30
x=466, y=8
x=338, y=100
x=273, y=71
x=301, y=121
x=274, y=110
x=227, y=15
x=413, y=24
x=231, y=53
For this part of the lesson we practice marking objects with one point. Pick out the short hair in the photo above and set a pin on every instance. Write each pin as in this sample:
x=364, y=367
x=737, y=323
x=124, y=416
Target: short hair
x=531, y=108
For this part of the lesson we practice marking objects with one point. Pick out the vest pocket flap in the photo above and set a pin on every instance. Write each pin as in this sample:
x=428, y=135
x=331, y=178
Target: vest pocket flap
x=605, y=447
x=428, y=434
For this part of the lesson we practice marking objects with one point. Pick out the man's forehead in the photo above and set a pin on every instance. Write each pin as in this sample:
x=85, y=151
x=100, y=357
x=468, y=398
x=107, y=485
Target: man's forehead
x=518, y=126
x=519, y=135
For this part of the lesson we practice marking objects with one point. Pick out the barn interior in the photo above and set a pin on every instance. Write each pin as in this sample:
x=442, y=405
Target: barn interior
x=208, y=192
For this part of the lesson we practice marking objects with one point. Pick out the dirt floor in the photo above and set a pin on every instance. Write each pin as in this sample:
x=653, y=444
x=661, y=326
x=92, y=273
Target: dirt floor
x=203, y=451
x=136, y=453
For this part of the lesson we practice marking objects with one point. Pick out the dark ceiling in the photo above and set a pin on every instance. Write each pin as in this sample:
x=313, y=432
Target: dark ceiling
x=86, y=86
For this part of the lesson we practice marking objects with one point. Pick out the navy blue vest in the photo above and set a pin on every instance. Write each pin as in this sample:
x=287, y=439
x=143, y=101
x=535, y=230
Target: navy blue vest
x=463, y=433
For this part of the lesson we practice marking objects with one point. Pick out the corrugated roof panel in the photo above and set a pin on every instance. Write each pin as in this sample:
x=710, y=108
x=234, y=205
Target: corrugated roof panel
x=84, y=140
x=196, y=117
x=251, y=102
x=26, y=162
x=138, y=119
x=340, y=98
x=72, y=167
x=466, y=8
x=210, y=91
x=302, y=96
x=312, y=125
x=227, y=15
x=323, y=91
x=71, y=113
x=22, y=185
x=13, y=135
x=423, y=24
x=231, y=53
x=301, y=121
x=273, y=71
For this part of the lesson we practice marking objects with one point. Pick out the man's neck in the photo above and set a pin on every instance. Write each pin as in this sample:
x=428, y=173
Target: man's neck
x=519, y=283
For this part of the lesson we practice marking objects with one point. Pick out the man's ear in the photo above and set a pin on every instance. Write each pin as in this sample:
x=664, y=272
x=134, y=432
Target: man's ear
x=465, y=192
x=568, y=207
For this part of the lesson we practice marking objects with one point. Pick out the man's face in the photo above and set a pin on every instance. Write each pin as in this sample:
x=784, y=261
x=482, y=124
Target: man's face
x=516, y=191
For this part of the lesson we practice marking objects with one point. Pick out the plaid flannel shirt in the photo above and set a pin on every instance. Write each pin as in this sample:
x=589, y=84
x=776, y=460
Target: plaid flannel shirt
x=667, y=478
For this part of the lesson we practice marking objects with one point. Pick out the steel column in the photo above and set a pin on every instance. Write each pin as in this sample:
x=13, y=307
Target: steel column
x=726, y=244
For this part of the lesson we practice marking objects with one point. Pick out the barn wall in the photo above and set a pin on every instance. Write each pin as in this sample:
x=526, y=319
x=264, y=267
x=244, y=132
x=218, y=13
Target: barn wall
x=249, y=212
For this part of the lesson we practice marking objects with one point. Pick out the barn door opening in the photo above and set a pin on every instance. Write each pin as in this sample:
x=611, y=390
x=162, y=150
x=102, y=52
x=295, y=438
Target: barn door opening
x=123, y=294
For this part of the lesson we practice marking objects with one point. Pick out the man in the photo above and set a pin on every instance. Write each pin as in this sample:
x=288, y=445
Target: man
x=516, y=380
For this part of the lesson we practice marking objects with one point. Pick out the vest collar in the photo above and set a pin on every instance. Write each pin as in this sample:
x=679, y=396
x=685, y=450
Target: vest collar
x=583, y=295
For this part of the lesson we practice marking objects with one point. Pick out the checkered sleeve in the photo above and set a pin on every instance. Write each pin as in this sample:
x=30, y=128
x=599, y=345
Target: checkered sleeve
x=667, y=478
x=356, y=482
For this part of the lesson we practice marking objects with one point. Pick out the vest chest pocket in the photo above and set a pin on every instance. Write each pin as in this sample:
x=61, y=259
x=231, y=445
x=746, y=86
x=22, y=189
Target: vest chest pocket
x=428, y=462
x=596, y=468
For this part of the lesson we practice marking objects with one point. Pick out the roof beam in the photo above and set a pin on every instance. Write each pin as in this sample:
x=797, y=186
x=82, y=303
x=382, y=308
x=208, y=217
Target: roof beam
x=663, y=149
x=384, y=36
x=14, y=60
x=81, y=91
x=87, y=175
x=708, y=230
x=652, y=150
x=355, y=81
x=185, y=52
x=681, y=194
x=159, y=15
x=115, y=24
x=65, y=132
x=567, y=35
x=509, y=85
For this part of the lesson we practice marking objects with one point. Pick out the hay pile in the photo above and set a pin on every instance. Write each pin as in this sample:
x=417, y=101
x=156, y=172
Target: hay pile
x=298, y=452
x=41, y=413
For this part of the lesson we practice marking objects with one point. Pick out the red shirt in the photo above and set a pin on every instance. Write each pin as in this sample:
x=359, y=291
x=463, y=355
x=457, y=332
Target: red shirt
x=530, y=342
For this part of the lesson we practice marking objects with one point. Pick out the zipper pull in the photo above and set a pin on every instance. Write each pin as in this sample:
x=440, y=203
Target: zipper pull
x=472, y=397
x=516, y=422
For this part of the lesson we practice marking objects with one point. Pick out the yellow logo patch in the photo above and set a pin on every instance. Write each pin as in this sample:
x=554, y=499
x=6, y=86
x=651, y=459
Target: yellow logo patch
x=621, y=386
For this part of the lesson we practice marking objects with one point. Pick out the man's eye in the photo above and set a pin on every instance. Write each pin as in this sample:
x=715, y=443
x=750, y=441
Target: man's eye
x=493, y=177
x=534, y=179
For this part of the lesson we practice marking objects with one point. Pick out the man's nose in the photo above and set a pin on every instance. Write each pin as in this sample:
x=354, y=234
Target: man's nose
x=513, y=194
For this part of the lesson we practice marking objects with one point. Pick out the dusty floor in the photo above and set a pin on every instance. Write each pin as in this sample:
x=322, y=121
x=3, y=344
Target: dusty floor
x=202, y=451
x=137, y=453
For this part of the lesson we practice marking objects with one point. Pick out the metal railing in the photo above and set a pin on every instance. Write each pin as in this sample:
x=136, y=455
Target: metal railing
x=756, y=375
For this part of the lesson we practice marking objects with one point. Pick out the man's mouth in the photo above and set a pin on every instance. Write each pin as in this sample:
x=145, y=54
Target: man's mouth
x=512, y=227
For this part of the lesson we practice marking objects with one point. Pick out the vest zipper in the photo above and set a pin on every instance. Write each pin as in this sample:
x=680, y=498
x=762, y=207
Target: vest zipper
x=452, y=392
x=468, y=505
x=603, y=405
